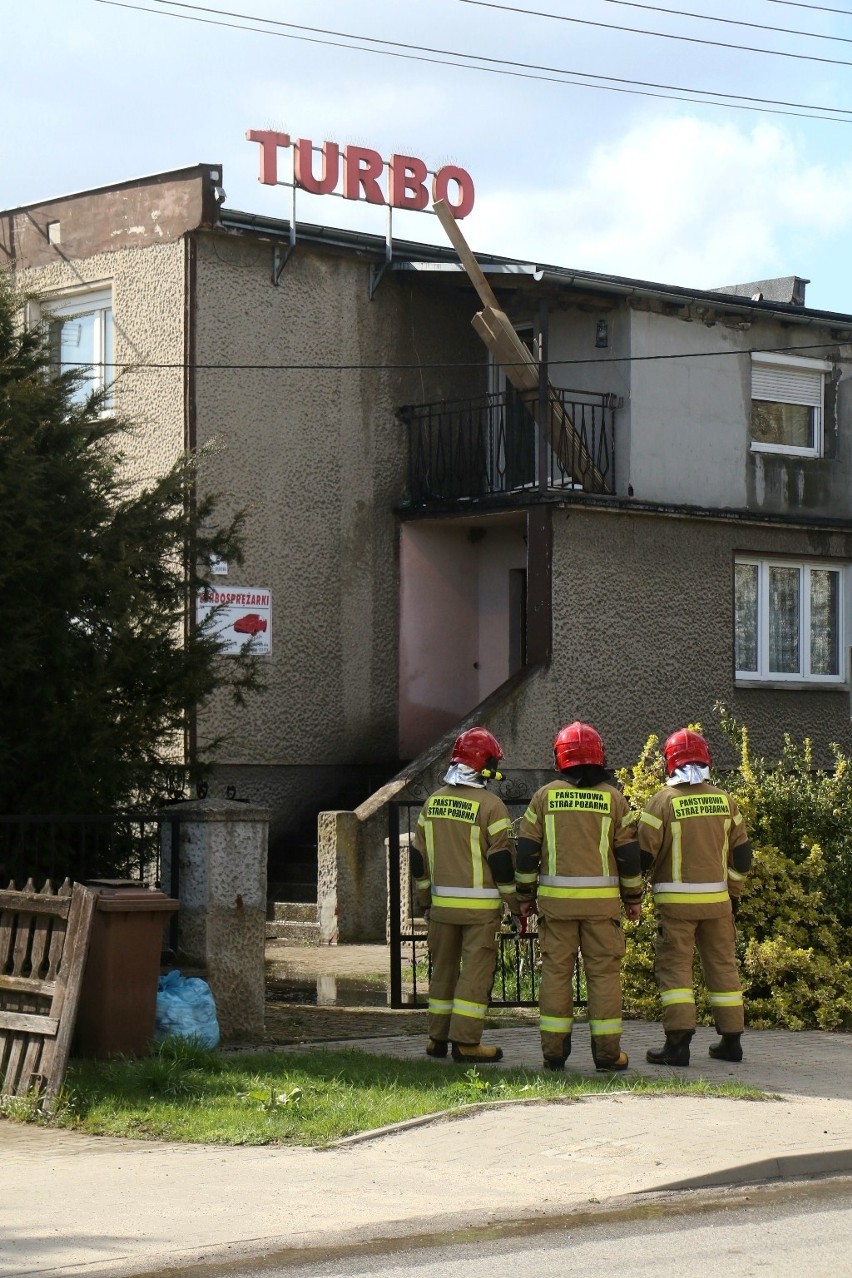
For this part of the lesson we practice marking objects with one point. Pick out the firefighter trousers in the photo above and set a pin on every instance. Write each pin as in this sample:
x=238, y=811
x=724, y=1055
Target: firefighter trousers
x=464, y=956
x=676, y=940
x=601, y=943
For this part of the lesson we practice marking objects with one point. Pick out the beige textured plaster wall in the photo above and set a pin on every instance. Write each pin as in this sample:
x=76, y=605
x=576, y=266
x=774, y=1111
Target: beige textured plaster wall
x=643, y=638
x=319, y=461
x=148, y=313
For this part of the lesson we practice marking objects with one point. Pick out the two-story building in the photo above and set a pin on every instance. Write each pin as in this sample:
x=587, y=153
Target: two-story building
x=677, y=534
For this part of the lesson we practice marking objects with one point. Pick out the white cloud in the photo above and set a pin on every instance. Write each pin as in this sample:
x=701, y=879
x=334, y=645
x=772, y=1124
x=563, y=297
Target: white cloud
x=680, y=201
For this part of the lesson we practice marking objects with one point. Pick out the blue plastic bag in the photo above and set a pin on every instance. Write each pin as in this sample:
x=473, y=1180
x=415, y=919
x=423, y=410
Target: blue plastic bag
x=186, y=1009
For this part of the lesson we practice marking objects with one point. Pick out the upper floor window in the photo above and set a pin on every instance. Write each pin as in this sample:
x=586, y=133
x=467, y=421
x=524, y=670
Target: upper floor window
x=787, y=404
x=80, y=333
x=788, y=620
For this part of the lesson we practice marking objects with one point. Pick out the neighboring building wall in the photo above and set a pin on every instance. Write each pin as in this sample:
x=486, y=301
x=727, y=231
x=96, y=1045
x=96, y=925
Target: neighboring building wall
x=130, y=237
x=690, y=430
x=319, y=461
x=148, y=314
x=643, y=640
x=819, y=487
x=135, y=214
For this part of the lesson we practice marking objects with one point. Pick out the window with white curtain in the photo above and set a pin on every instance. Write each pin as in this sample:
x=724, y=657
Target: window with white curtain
x=788, y=620
x=787, y=395
x=80, y=334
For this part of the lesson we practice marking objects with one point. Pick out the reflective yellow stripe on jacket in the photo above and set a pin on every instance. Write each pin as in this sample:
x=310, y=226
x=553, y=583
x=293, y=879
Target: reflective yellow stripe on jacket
x=578, y=888
x=456, y=898
x=689, y=893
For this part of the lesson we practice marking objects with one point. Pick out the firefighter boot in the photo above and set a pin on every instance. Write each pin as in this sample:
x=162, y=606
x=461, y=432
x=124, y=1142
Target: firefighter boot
x=558, y=1062
x=728, y=1048
x=675, y=1050
x=606, y=1064
x=476, y=1053
x=436, y=1047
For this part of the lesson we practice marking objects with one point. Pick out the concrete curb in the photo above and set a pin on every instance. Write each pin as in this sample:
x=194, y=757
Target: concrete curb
x=480, y=1107
x=442, y=1115
x=836, y=1162
x=394, y=1237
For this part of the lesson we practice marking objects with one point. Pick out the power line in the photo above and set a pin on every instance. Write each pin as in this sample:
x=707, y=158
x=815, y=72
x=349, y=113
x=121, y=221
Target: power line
x=731, y=22
x=659, y=35
x=416, y=367
x=501, y=66
x=819, y=8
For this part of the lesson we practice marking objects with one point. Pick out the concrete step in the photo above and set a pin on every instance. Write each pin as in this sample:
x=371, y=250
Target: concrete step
x=293, y=911
x=297, y=930
x=301, y=888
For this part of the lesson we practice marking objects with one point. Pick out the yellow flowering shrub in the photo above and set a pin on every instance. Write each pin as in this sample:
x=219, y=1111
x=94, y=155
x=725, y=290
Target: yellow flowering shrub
x=794, y=926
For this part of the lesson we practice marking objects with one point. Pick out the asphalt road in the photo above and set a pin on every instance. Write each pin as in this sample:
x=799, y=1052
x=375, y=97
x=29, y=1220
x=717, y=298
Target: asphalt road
x=784, y=1232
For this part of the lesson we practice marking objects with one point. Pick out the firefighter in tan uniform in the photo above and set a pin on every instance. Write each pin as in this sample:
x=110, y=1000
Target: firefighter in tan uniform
x=695, y=838
x=577, y=855
x=463, y=869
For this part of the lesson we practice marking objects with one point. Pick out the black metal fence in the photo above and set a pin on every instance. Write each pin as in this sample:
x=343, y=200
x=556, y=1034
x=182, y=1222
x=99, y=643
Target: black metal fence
x=516, y=977
x=489, y=445
x=81, y=848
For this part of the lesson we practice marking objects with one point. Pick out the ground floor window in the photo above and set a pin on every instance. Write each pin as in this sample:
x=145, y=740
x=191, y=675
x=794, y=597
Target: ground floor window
x=788, y=620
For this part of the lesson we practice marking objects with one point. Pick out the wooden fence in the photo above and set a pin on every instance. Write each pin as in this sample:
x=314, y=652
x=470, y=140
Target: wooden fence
x=44, y=940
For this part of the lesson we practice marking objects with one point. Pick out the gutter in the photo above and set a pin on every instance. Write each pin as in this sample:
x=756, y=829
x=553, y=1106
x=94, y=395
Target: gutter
x=412, y=256
x=621, y=505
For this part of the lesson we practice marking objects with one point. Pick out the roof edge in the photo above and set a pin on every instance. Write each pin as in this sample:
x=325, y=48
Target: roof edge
x=148, y=179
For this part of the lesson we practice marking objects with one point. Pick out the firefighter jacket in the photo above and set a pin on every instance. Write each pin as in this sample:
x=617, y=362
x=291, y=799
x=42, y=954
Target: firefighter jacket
x=461, y=856
x=577, y=851
x=697, y=840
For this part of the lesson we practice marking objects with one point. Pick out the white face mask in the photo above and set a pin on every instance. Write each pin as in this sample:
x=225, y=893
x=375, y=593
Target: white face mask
x=689, y=774
x=461, y=774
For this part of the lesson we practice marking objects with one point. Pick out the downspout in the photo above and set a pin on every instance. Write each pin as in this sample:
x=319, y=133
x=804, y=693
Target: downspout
x=543, y=429
x=190, y=440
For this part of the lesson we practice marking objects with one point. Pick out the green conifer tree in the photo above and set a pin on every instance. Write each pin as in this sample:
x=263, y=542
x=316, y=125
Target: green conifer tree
x=101, y=669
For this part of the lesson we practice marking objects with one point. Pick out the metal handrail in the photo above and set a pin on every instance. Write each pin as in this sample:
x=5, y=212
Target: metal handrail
x=489, y=445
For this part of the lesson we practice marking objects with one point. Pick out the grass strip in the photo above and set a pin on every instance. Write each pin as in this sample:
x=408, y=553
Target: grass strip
x=183, y=1093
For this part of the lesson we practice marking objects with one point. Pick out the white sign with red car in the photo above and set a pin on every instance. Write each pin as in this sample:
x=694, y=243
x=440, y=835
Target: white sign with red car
x=242, y=614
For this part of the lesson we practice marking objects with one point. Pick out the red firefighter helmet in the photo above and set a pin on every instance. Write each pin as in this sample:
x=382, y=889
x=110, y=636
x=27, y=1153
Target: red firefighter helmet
x=476, y=748
x=685, y=746
x=576, y=744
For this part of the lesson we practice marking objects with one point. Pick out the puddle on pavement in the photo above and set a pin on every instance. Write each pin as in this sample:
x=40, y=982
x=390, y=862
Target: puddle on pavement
x=326, y=990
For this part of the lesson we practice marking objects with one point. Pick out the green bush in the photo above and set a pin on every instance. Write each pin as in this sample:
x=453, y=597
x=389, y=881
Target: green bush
x=794, y=927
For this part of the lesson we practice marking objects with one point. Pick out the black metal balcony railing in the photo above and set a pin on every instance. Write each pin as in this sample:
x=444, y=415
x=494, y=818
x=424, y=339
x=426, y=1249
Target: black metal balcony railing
x=469, y=449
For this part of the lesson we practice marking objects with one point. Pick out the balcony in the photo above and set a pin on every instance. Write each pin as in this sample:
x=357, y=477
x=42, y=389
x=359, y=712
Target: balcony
x=491, y=446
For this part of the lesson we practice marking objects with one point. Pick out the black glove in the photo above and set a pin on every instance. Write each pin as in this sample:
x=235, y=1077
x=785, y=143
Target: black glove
x=735, y=905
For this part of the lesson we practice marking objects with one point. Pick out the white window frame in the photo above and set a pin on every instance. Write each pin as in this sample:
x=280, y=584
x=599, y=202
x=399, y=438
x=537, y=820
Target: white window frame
x=95, y=300
x=803, y=675
x=777, y=364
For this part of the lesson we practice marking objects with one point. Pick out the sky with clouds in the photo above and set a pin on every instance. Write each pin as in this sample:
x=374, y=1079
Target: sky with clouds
x=633, y=184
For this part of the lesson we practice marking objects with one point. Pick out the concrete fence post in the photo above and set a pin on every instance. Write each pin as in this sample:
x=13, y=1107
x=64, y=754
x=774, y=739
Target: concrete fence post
x=222, y=850
x=351, y=880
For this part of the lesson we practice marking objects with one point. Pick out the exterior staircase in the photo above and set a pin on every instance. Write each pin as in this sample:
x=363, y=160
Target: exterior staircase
x=296, y=922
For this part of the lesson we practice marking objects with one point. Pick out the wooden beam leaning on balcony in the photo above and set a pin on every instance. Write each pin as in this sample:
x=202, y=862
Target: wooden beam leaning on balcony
x=493, y=325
